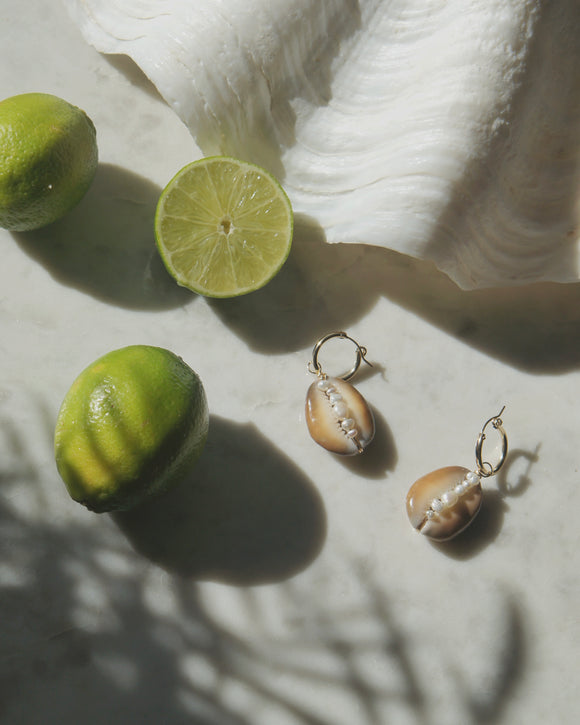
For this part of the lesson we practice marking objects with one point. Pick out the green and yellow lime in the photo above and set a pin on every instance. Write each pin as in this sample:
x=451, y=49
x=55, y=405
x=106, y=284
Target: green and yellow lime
x=131, y=425
x=48, y=158
x=223, y=227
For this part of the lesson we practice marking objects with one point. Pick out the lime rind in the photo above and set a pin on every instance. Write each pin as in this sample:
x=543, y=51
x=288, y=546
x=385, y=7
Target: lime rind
x=48, y=162
x=132, y=423
x=253, y=241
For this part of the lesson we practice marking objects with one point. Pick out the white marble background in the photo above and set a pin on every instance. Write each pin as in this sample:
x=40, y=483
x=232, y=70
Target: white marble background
x=280, y=585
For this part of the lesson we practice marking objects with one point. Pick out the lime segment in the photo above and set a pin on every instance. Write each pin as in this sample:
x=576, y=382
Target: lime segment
x=223, y=227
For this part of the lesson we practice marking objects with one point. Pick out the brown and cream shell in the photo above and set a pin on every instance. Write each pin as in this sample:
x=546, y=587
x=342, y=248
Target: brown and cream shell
x=338, y=417
x=444, y=502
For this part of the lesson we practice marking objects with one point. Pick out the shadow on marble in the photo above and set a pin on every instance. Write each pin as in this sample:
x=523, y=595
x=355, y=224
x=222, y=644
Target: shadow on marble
x=392, y=649
x=92, y=633
x=488, y=706
x=480, y=707
x=314, y=293
x=80, y=637
x=392, y=646
x=245, y=515
x=105, y=247
x=513, y=480
x=61, y=662
x=324, y=287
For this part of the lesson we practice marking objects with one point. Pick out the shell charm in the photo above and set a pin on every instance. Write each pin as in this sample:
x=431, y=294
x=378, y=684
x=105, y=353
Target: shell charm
x=338, y=417
x=444, y=502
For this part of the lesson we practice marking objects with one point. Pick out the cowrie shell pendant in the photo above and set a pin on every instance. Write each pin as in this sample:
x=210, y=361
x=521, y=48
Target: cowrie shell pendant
x=338, y=417
x=444, y=502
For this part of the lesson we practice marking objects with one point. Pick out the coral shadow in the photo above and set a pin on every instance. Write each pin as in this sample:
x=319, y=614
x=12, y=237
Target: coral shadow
x=318, y=290
x=324, y=287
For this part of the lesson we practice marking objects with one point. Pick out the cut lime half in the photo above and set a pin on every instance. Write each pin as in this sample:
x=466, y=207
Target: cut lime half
x=223, y=227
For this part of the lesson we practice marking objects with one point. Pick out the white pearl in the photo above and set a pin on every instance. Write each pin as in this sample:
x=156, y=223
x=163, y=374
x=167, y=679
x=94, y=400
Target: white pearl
x=347, y=423
x=472, y=478
x=352, y=433
x=323, y=385
x=340, y=409
x=460, y=489
x=335, y=398
x=436, y=505
x=449, y=498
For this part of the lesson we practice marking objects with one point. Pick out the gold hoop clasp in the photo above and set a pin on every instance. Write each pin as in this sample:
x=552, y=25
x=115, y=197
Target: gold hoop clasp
x=485, y=468
x=315, y=367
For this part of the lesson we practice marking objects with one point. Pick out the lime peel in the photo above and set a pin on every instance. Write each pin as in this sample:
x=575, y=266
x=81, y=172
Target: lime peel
x=48, y=161
x=130, y=426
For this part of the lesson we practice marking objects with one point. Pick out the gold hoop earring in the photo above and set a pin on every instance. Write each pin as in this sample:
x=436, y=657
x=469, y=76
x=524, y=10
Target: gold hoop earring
x=338, y=417
x=444, y=502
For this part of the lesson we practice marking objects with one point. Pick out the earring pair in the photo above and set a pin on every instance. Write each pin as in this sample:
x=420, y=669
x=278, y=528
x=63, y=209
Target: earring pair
x=440, y=504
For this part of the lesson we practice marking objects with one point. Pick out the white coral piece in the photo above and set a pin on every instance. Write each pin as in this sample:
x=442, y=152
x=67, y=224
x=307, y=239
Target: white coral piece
x=449, y=131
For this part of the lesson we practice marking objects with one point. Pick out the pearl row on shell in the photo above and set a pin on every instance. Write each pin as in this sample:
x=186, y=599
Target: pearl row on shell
x=450, y=498
x=347, y=423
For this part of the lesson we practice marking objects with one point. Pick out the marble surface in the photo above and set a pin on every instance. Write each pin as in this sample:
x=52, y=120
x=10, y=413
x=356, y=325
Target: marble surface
x=279, y=585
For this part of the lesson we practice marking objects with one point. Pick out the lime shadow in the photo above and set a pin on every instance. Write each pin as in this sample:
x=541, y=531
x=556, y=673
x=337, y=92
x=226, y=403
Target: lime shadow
x=245, y=514
x=105, y=247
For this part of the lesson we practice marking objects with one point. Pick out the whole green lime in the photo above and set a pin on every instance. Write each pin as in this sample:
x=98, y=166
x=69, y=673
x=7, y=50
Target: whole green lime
x=48, y=159
x=131, y=425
